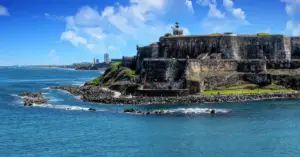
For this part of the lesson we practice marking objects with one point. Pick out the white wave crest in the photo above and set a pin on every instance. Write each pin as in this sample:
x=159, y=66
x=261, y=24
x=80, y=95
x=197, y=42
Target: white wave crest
x=62, y=107
x=194, y=111
x=65, y=107
x=14, y=95
x=78, y=83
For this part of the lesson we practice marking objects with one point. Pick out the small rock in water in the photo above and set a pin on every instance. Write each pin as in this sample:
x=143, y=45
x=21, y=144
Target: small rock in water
x=92, y=109
x=32, y=95
x=28, y=102
x=212, y=112
x=131, y=110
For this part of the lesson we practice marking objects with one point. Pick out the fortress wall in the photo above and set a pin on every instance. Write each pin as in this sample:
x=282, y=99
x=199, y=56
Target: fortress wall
x=162, y=73
x=142, y=52
x=163, y=70
x=230, y=47
x=295, y=47
x=283, y=64
x=252, y=66
x=196, y=67
x=180, y=47
x=259, y=47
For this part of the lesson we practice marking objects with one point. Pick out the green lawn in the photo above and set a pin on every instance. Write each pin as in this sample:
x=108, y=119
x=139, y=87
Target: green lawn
x=245, y=91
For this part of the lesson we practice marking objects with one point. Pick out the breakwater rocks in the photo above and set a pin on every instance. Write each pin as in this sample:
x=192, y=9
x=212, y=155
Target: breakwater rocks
x=88, y=92
x=195, y=99
x=104, y=96
x=179, y=111
x=31, y=99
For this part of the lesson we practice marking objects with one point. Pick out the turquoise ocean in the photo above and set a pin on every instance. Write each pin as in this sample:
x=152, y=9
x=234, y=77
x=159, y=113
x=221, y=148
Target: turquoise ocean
x=65, y=127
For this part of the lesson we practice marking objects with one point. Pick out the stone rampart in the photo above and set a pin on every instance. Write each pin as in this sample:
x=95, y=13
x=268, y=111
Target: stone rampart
x=230, y=47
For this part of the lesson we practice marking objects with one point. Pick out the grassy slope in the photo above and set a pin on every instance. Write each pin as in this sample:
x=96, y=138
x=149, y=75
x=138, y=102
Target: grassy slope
x=246, y=89
x=114, y=73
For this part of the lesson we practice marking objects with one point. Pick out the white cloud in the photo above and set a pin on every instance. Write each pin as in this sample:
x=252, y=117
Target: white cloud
x=3, y=11
x=293, y=28
x=73, y=38
x=239, y=13
x=222, y=22
x=52, y=54
x=292, y=9
x=228, y=3
x=189, y=4
x=87, y=16
x=186, y=31
x=236, y=12
x=292, y=6
x=117, y=26
x=206, y=2
x=214, y=12
x=108, y=11
x=289, y=9
x=96, y=32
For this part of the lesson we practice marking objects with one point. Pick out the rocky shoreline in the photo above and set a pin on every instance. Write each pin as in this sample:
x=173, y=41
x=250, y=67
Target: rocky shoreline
x=100, y=95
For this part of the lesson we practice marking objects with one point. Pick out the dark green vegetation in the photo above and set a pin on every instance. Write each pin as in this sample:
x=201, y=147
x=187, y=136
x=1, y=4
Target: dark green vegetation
x=116, y=72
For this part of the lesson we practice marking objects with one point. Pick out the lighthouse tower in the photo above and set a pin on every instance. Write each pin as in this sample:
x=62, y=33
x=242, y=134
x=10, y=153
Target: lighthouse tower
x=177, y=30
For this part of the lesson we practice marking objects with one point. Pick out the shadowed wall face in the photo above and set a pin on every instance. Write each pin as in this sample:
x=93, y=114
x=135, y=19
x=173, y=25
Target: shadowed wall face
x=295, y=47
x=163, y=73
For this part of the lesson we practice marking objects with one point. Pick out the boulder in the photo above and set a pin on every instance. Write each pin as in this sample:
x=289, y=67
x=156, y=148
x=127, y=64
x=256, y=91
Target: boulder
x=92, y=109
x=33, y=98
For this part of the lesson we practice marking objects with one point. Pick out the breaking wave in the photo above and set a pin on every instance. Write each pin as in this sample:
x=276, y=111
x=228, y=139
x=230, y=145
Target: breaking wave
x=192, y=111
x=78, y=83
x=65, y=107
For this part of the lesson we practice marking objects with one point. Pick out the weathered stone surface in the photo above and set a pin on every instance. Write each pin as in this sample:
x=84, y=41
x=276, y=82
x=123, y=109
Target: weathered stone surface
x=230, y=47
x=33, y=98
x=125, y=88
x=32, y=95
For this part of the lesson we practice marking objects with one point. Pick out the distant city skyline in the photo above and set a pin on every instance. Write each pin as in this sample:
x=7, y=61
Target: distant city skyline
x=43, y=32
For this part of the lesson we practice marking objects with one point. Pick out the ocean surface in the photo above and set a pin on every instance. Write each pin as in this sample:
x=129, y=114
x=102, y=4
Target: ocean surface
x=65, y=127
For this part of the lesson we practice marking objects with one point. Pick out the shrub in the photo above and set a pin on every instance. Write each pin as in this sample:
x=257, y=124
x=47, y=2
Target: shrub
x=95, y=81
x=215, y=34
x=262, y=34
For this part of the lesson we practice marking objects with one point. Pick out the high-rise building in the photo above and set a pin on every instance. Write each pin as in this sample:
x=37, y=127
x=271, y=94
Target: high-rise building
x=97, y=61
x=106, y=58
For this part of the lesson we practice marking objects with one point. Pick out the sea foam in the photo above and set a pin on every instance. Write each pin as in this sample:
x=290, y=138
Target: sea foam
x=66, y=107
x=193, y=111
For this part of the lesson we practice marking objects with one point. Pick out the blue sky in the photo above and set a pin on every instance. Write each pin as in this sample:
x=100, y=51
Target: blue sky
x=69, y=31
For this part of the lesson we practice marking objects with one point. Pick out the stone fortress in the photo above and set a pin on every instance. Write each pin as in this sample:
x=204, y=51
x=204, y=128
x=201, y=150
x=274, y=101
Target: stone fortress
x=190, y=64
